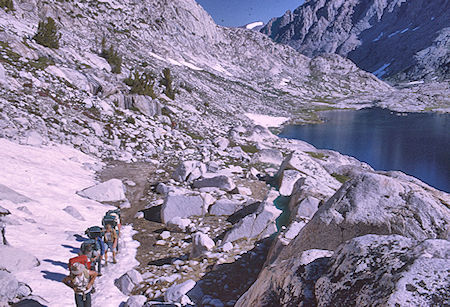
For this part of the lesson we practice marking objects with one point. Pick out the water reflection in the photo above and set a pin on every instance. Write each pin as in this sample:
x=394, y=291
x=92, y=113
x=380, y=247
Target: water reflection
x=417, y=143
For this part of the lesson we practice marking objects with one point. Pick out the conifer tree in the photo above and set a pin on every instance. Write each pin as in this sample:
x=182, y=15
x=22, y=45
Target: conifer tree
x=47, y=34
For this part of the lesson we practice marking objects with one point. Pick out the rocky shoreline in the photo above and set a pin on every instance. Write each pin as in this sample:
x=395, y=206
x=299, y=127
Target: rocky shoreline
x=200, y=256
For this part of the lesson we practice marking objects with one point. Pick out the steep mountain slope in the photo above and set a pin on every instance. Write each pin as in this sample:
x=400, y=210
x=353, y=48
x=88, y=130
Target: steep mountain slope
x=401, y=39
x=220, y=73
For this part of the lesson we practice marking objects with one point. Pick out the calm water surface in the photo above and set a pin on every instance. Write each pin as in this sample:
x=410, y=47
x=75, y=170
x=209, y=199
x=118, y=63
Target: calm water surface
x=417, y=144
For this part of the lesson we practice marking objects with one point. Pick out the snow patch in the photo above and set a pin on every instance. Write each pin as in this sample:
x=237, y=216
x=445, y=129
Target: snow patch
x=219, y=68
x=50, y=176
x=378, y=37
x=266, y=120
x=394, y=33
x=380, y=72
x=254, y=25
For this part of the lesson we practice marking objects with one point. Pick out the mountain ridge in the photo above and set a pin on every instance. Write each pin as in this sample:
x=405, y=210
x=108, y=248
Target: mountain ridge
x=396, y=39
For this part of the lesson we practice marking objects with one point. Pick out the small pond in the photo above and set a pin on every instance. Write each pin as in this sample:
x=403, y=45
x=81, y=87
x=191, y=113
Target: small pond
x=417, y=144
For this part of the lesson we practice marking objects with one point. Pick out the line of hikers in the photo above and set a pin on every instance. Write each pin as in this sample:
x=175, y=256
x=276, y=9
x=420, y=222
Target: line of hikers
x=83, y=271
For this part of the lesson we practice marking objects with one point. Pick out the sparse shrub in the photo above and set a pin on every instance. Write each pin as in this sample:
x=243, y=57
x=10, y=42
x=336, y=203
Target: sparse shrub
x=112, y=57
x=7, y=5
x=340, y=178
x=317, y=155
x=167, y=81
x=47, y=34
x=249, y=148
x=130, y=120
x=141, y=84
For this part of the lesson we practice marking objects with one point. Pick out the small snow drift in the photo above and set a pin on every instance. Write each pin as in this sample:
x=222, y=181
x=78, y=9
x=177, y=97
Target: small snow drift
x=253, y=25
x=266, y=120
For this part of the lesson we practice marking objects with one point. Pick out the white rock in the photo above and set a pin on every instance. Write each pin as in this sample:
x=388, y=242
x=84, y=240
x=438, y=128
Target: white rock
x=139, y=215
x=228, y=246
x=177, y=293
x=201, y=244
x=307, y=207
x=225, y=206
x=178, y=224
x=128, y=281
x=208, y=200
x=111, y=190
x=222, y=182
x=179, y=205
x=221, y=142
x=136, y=301
x=189, y=171
x=98, y=130
x=288, y=180
x=244, y=191
x=165, y=235
x=272, y=156
x=376, y=204
x=130, y=183
x=257, y=225
x=2, y=75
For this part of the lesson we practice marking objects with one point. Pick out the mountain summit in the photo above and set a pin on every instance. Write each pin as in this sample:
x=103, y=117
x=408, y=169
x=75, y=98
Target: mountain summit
x=397, y=39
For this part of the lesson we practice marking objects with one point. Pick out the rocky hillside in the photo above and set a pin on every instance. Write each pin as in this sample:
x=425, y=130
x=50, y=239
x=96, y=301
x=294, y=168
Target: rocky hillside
x=394, y=39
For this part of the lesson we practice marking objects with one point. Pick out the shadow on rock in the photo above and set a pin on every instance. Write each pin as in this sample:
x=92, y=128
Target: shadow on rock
x=153, y=214
x=228, y=281
x=240, y=214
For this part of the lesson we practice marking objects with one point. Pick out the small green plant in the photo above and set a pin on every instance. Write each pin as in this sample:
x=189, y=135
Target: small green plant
x=249, y=148
x=47, y=34
x=7, y=5
x=167, y=81
x=317, y=155
x=340, y=178
x=141, y=84
x=112, y=57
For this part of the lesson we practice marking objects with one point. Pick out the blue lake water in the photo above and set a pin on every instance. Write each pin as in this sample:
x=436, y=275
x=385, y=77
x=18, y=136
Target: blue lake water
x=417, y=144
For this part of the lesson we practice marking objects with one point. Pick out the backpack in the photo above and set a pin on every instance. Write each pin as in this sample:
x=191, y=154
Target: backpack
x=94, y=232
x=111, y=220
x=115, y=211
x=83, y=259
x=90, y=248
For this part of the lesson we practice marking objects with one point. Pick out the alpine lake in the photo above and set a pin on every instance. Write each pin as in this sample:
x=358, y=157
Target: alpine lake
x=417, y=144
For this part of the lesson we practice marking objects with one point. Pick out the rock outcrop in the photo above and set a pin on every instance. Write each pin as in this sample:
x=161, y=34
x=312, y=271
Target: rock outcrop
x=375, y=204
x=368, y=270
x=396, y=39
x=112, y=190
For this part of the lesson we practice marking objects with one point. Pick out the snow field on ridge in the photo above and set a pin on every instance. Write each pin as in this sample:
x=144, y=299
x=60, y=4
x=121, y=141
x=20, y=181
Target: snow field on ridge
x=50, y=176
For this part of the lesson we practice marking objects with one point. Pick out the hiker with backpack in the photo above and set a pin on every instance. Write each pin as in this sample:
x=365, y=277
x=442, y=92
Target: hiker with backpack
x=81, y=280
x=94, y=248
x=113, y=218
x=110, y=238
